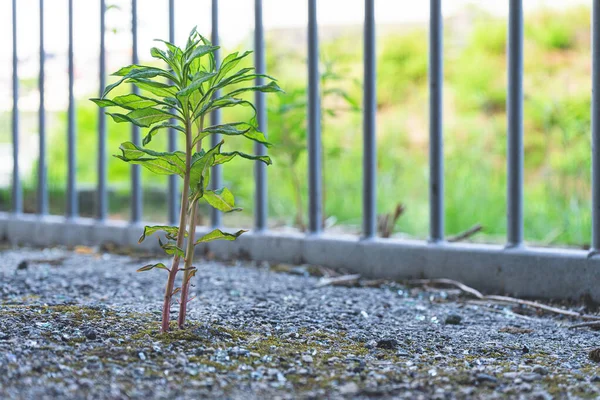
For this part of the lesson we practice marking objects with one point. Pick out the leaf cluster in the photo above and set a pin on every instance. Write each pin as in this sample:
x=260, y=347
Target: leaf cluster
x=180, y=97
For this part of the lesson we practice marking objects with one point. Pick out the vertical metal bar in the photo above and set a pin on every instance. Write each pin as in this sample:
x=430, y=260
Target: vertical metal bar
x=369, y=112
x=102, y=198
x=136, y=185
x=42, y=189
x=260, y=222
x=314, y=123
x=71, y=149
x=515, y=125
x=215, y=117
x=595, y=247
x=436, y=139
x=173, y=193
x=17, y=192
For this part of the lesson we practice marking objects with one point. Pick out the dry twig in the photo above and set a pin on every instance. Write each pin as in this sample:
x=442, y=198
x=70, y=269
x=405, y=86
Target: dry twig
x=386, y=222
x=593, y=324
x=344, y=280
x=466, y=234
x=504, y=299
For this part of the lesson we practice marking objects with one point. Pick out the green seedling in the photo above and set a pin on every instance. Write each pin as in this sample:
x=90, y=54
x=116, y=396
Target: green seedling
x=181, y=98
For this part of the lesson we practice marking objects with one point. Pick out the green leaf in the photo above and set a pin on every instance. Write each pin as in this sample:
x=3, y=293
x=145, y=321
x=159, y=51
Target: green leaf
x=269, y=87
x=223, y=102
x=156, y=88
x=175, y=53
x=218, y=234
x=229, y=63
x=143, y=71
x=139, y=72
x=161, y=55
x=134, y=101
x=149, y=116
x=248, y=131
x=221, y=199
x=144, y=117
x=200, y=170
x=199, y=52
x=171, y=249
x=222, y=158
x=154, y=130
x=162, y=163
x=171, y=231
x=233, y=80
x=196, y=83
x=191, y=274
x=104, y=103
x=191, y=42
x=152, y=266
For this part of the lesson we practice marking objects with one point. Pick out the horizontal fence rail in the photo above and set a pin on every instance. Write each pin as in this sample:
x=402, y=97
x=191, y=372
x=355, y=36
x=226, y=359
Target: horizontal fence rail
x=513, y=268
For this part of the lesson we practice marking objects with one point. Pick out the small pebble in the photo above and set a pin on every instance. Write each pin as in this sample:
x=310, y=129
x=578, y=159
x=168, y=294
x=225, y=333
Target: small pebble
x=388, y=344
x=486, y=378
x=90, y=334
x=453, y=319
x=307, y=359
x=539, y=369
x=348, y=388
x=530, y=376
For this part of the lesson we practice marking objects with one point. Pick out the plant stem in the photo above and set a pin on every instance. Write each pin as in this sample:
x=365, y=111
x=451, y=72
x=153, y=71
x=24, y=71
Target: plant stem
x=181, y=234
x=189, y=258
x=189, y=254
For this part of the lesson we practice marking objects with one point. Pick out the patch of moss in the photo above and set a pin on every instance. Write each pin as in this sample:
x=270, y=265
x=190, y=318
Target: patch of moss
x=80, y=313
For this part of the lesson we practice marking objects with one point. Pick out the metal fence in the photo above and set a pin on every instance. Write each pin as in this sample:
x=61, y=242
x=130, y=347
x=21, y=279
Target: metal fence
x=513, y=268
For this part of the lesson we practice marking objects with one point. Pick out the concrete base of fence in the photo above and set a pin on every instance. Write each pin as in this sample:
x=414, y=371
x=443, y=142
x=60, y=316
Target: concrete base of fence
x=523, y=272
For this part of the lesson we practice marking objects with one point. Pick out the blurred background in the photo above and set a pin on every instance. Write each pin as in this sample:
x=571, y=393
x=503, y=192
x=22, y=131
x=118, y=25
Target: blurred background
x=557, y=111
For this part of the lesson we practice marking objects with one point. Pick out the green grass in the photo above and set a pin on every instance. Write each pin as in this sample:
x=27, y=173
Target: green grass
x=557, y=138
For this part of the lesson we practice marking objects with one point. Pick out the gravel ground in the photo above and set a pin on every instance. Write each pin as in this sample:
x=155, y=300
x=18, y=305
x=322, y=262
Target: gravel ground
x=83, y=324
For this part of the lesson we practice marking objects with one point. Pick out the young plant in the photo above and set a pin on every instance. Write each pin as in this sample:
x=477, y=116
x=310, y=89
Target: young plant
x=181, y=97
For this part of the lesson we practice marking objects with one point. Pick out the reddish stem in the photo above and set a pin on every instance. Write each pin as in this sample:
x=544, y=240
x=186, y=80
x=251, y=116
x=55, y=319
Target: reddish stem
x=189, y=254
x=181, y=234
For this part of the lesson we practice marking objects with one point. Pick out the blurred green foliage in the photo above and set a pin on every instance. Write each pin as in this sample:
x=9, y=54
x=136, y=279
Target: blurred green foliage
x=557, y=129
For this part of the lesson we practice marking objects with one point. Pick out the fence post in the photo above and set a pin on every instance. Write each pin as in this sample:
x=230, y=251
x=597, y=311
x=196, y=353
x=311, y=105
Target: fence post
x=436, y=133
x=102, y=198
x=42, y=189
x=17, y=191
x=136, y=178
x=260, y=222
x=215, y=116
x=173, y=193
x=315, y=212
x=72, y=205
x=514, y=109
x=369, y=126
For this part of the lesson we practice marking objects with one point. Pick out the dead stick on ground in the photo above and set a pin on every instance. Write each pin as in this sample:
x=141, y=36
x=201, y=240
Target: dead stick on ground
x=591, y=324
x=451, y=282
x=504, y=299
x=343, y=280
x=466, y=234
x=484, y=304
